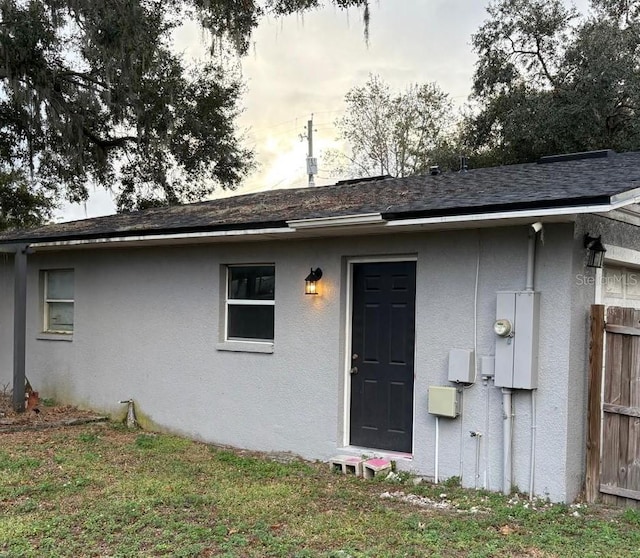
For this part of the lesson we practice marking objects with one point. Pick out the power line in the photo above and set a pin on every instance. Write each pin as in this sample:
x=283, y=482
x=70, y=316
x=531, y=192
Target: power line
x=296, y=118
x=263, y=133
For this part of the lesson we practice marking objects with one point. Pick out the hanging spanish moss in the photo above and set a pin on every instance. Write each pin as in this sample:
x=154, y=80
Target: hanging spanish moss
x=94, y=93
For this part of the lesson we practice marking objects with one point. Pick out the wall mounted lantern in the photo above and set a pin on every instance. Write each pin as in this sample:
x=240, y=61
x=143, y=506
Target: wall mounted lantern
x=311, y=281
x=595, y=250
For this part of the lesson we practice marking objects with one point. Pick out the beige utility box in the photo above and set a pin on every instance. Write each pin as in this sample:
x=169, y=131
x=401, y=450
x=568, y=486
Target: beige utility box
x=443, y=401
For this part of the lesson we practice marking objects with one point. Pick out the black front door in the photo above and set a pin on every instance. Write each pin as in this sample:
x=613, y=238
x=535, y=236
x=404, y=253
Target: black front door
x=383, y=337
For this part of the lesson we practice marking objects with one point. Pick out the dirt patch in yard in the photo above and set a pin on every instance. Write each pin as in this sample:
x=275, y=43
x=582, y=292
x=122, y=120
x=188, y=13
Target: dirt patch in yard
x=42, y=416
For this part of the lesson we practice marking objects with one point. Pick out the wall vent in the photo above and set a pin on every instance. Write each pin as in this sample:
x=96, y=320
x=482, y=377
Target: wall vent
x=364, y=179
x=602, y=154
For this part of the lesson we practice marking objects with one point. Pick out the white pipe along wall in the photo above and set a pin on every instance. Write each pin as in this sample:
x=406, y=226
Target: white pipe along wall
x=531, y=263
x=507, y=417
x=507, y=393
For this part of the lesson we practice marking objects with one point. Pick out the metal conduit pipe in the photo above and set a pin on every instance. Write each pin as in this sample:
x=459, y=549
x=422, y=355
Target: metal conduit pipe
x=436, y=478
x=531, y=255
x=507, y=416
x=531, y=265
x=507, y=393
x=533, y=444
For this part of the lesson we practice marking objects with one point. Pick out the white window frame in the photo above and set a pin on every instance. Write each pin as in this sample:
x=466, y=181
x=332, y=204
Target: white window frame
x=46, y=301
x=615, y=256
x=245, y=302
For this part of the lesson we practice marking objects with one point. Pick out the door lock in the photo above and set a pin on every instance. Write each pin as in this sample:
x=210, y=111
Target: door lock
x=354, y=356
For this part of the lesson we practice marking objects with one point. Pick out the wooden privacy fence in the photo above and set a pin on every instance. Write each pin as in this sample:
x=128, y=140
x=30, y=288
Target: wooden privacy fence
x=613, y=440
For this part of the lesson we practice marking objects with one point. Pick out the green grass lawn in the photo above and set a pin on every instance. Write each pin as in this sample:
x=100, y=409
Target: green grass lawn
x=102, y=491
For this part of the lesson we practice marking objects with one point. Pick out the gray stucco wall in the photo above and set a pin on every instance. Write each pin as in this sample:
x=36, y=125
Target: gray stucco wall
x=614, y=232
x=577, y=322
x=147, y=322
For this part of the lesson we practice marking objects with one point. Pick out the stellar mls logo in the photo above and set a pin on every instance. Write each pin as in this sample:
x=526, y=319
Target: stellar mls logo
x=610, y=281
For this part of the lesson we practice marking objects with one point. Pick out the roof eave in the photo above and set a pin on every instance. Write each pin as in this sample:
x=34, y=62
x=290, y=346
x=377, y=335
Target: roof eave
x=164, y=232
x=171, y=239
x=342, y=225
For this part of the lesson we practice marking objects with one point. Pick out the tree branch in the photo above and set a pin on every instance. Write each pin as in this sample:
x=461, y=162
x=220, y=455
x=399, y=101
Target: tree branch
x=62, y=106
x=544, y=64
x=82, y=76
x=108, y=143
x=535, y=53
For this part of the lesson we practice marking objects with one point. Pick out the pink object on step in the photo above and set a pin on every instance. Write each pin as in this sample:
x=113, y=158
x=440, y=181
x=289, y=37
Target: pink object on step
x=378, y=462
x=371, y=467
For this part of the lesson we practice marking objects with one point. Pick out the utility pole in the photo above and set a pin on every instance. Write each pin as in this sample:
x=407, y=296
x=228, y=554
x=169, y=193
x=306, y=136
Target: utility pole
x=312, y=162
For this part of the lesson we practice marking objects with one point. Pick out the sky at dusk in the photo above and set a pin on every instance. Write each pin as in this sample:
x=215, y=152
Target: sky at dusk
x=303, y=65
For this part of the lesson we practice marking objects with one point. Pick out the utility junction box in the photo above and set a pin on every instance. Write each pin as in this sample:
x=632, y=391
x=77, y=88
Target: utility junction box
x=443, y=401
x=516, y=358
x=462, y=368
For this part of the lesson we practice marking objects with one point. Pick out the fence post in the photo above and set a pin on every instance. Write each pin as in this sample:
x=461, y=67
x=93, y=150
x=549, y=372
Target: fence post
x=594, y=407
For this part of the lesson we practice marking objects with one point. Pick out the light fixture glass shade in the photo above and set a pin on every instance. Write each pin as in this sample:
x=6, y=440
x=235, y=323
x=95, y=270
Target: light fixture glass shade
x=595, y=251
x=311, y=281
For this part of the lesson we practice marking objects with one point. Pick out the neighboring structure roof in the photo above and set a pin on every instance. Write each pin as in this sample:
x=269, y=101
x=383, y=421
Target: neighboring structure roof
x=596, y=179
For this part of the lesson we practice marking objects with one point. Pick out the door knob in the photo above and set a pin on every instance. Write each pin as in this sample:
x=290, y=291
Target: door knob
x=354, y=370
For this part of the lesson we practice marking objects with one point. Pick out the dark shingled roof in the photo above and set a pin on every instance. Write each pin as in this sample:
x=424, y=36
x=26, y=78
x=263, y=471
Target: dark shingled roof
x=566, y=183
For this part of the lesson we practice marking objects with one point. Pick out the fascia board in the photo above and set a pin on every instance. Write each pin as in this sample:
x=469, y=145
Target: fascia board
x=625, y=198
x=338, y=221
x=502, y=215
x=162, y=239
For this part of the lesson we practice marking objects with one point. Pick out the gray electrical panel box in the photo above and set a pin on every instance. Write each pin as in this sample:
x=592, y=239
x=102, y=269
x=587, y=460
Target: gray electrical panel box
x=516, y=359
x=462, y=367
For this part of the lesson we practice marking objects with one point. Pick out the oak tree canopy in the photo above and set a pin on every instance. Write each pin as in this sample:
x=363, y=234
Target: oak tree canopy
x=95, y=93
x=550, y=80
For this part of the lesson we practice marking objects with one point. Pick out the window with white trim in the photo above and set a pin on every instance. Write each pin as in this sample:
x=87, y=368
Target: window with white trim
x=621, y=286
x=58, y=301
x=250, y=302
